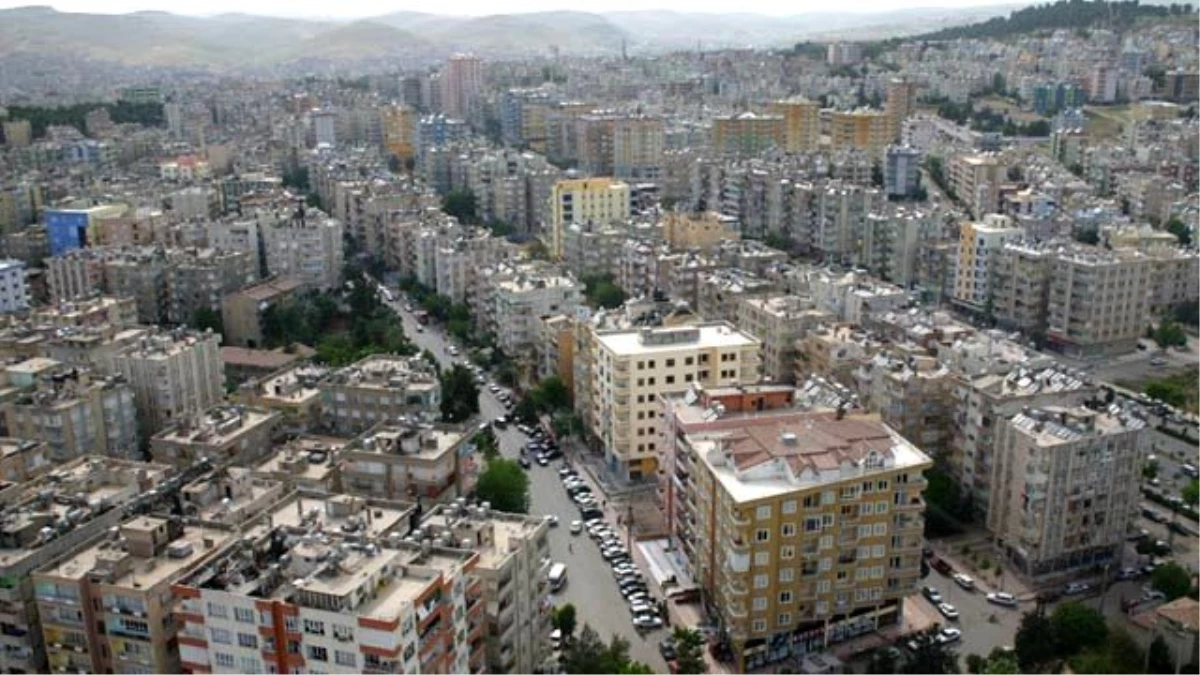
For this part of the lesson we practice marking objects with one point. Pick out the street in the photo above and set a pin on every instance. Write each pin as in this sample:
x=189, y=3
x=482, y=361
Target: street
x=591, y=586
x=980, y=634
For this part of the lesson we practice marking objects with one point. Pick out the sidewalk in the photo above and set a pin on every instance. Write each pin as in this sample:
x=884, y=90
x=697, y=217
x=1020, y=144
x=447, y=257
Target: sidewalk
x=986, y=581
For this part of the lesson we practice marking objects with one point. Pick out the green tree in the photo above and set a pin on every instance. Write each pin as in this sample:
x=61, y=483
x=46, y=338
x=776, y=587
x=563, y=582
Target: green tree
x=589, y=654
x=1169, y=334
x=1034, y=642
x=1001, y=664
x=602, y=292
x=883, y=660
x=526, y=411
x=931, y=656
x=1087, y=235
x=551, y=394
x=1160, y=660
x=1191, y=493
x=1077, y=627
x=462, y=205
x=505, y=485
x=537, y=250
x=975, y=664
x=460, y=395
x=564, y=620
x=1180, y=229
x=485, y=443
x=1172, y=579
x=689, y=650
x=506, y=374
x=207, y=317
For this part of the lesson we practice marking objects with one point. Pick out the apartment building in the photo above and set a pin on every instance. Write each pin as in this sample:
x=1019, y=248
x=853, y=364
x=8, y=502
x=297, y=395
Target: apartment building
x=804, y=530
x=586, y=200
x=462, y=82
x=14, y=288
x=863, y=129
x=76, y=413
x=556, y=348
x=913, y=394
x=637, y=148
x=832, y=351
x=306, y=244
x=293, y=391
x=593, y=249
x=697, y=231
x=399, y=127
x=1019, y=283
x=307, y=462
x=221, y=434
x=901, y=102
x=891, y=243
x=98, y=312
x=200, y=280
x=330, y=584
x=410, y=460
x=83, y=487
x=243, y=310
x=22, y=459
x=173, y=374
x=976, y=180
x=631, y=368
x=901, y=171
x=801, y=124
x=514, y=559
x=378, y=388
x=1065, y=487
x=1099, y=301
x=109, y=607
x=748, y=134
x=779, y=321
x=979, y=246
x=1176, y=279
x=719, y=294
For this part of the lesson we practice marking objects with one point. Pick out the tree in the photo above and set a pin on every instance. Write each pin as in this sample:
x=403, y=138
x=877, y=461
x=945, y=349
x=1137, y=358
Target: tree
x=1169, y=334
x=1001, y=664
x=689, y=650
x=1160, y=657
x=931, y=656
x=1087, y=235
x=506, y=374
x=1035, y=642
x=551, y=394
x=461, y=204
x=537, y=250
x=602, y=292
x=564, y=620
x=485, y=443
x=1077, y=627
x=460, y=395
x=505, y=485
x=589, y=654
x=1173, y=580
x=975, y=664
x=883, y=660
x=526, y=411
x=1180, y=229
x=1191, y=493
x=207, y=317
x=1015, y=173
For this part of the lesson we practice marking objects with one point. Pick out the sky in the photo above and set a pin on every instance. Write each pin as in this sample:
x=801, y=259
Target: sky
x=347, y=9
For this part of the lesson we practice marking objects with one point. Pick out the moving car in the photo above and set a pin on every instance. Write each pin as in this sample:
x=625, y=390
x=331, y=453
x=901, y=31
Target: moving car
x=964, y=581
x=948, y=611
x=932, y=594
x=948, y=635
x=1002, y=599
x=1128, y=573
x=1076, y=588
x=553, y=520
x=576, y=526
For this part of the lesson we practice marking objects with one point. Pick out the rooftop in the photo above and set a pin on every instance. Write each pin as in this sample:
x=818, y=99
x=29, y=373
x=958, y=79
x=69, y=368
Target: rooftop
x=216, y=426
x=307, y=457
x=386, y=372
x=1057, y=426
x=293, y=385
x=494, y=535
x=419, y=440
x=651, y=340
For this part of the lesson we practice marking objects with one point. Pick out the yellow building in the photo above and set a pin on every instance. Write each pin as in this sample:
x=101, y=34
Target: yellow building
x=697, y=231
x=747, y=134
x=586, y=200
x=901, y=100
x=979, y=245
x=803, y=529
x=630, y=369
x=801, y=123
x=399, y=124
x=862, y=129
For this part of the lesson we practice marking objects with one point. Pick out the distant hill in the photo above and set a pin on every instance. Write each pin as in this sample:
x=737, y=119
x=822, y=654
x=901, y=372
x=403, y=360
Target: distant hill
x=1067, y=14
x=351, y=42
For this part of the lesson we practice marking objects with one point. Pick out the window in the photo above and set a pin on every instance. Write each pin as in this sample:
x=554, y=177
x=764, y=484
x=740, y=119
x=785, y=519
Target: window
x=826, y=541
x=670, y=363
x=687, y=361
x=248, y=640
x=785, y=619
x=243, y=615
x=215, y=609
x=823, y=586
x=652, y=364
x=812, y=524
x=223, y=660
x=828, y=497
x=881, y=507
x=342, y=632
x=787, y=574
x=787, y=552
x=318, y=653
x=760, y=581
x=785, y=597
x=345, y=658
x=760, y=604
x=249, y=664
x=822, y=608
x=762, y=535
x=877, y=551
x=759, y=625
x=670, y=379
x=862, y=574
x=289, y=624
x=880, y=529
x=788, y=529
x=314, y=627
x=221, y=636
x=826, y=564
x=866, y=508
x=763, y=512
x=651, y=381
x=762, y=558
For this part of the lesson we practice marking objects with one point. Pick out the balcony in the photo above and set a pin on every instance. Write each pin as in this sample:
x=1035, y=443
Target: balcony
x=734, y=588
x=739, y=519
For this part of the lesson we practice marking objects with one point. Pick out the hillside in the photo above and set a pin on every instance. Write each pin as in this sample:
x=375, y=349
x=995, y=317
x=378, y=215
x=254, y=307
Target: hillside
x=1069, y=14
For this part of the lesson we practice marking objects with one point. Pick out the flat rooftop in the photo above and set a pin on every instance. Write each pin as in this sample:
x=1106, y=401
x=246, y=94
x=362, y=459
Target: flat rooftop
x=217, y=426
x=718, y=335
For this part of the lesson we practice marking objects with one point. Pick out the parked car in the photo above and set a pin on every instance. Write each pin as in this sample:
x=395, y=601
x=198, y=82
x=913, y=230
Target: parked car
x=542, y=460
x=524, y=462
x=576, y=526
x=1077, y=588
x=553, y=520
x=948, y=635
x=641, y=608
x=965, y=581
x=948, y=611
x=1002, y=599
x=941, y=565
x=1128, y=573
x=932, y=594
x=667, y=649
x=1151, y=595
x=647, y=622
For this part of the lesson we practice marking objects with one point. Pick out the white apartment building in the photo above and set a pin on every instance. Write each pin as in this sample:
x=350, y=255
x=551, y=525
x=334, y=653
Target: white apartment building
x=586, y=200
x=517, y=303
x=14, y=289
x=234, y=235
x=631, y=368
x=976, y=181
x=305, y=244
x=1065, y=487
x=779, y=321
x=173, y=374
x=979, y=245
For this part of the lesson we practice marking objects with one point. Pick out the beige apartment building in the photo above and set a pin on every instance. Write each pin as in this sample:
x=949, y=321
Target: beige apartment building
x=28, y=507
x=376, y=389
x=697, y=231
x=308, y=462
x=901, y=101
x=344, y=593
x=305, y=244
x=801, y=124
x=779, y=321
x=631, y=368
x=77, y=414
x=109, y=608
x=748, y=134
x=586, y=200
x=223, y=434
x=294, y=392
x=1099, y=300
x=514, y=559
x=803, y=529
x=1020, y=286
x=976, y=180
x=863, y=129
x=22, y=459
x=173, y=374
x=1065, y=487
x=243, y=310
x=410, y=461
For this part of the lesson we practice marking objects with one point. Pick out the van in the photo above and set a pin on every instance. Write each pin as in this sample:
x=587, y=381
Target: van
x=557, y=576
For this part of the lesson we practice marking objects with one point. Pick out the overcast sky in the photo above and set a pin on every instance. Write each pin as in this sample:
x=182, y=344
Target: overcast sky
x=360, y=8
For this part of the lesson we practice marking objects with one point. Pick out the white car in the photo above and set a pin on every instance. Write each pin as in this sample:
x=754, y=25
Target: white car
x=964, y=581
x=553, y=520
x=641, y=608
x=948, y=635
x=576, y=526
x=948, y=611
x=1002, y=599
